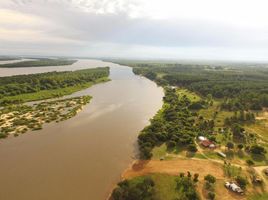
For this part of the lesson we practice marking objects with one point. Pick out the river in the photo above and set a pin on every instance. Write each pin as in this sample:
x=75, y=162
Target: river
x=81, y=158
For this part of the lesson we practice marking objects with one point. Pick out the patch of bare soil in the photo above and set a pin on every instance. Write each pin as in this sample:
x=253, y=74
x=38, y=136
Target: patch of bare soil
x=174, y=167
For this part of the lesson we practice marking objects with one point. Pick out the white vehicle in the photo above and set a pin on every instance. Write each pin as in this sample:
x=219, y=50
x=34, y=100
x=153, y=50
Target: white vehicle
x=234, y=187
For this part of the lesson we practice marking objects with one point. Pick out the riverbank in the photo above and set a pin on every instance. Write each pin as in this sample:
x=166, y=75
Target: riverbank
x=70, y=158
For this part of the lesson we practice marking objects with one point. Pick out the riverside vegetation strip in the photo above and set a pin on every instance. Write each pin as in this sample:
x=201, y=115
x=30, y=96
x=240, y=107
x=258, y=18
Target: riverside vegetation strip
x=39, y=63
x=32, y=87
x=227, y=105
x=17, y=118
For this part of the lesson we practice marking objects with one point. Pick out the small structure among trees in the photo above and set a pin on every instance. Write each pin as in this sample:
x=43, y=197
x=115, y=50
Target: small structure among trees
x=208, y=144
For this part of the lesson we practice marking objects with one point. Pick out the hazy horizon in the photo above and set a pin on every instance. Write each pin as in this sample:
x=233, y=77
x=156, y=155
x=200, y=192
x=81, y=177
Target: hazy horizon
x=136, y=29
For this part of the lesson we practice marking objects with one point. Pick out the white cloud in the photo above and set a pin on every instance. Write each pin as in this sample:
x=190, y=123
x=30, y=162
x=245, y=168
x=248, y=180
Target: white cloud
x=171, y=28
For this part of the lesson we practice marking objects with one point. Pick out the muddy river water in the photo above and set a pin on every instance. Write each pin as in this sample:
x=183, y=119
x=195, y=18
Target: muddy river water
x=81, y=158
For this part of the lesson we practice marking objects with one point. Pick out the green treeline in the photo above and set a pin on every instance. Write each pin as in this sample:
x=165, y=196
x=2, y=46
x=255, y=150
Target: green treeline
x=173, y=125
x=241, y=88
x=16, y=89
x=138, y=189
x=155, y=186
x=39, y=63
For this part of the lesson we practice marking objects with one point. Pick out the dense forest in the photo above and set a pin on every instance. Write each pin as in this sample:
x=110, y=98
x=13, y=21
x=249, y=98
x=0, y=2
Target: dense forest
x=32, y=83
x=241, y=87
x=173, y=125
x=39, y=63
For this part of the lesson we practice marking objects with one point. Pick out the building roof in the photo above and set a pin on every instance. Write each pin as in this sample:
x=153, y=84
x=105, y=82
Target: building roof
x=206, y=143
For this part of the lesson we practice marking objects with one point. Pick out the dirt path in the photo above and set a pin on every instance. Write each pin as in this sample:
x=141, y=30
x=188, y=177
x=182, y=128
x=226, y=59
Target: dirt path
x=174, y=167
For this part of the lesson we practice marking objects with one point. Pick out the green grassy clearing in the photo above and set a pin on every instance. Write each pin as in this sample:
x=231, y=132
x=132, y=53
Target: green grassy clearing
x=191, y=95
x=231, y=170
x=210, y=111
x=159, y=152
x=259, y=197
x=165, y=187
x=260, y=128
x=212, y=154
x=220, y=117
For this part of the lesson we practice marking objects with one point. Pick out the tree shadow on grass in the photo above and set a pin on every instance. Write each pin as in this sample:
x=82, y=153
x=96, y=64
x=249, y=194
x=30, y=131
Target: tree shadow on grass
x=259, y=158
x=190, y=154
x=176, y=150
x=240, y=154
x=229, y=154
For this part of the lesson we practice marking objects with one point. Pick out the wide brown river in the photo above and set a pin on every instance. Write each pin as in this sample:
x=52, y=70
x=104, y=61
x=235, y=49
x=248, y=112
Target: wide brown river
x=81, y=158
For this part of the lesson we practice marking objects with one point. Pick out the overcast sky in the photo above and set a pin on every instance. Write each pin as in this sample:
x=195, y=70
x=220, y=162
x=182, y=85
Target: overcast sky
x=160, y=29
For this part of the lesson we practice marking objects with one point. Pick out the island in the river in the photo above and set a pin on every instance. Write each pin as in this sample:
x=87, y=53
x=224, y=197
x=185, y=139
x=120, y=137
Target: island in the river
x=209, y=140
x=36, y=62
x=16, y=117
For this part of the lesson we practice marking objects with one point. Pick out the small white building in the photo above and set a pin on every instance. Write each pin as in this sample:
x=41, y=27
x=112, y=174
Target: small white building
x=202, y=138
x=212, y=146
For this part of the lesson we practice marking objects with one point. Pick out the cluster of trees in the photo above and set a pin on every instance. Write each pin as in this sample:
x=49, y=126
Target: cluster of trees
x=242, y=87
x=242, y=117
x=22, y=84
x=39, y=63
x=174, y=125
x=186, y=185
x=242, y=181
x=206, y=126
x=134, y=190
x=210, y=186
x=246, y=100
x=257, y=149
x=198, y=105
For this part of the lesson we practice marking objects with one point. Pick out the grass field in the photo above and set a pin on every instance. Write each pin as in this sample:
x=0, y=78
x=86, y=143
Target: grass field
x=191, y=95
x=165, y=187
x=210, y=111
x=259, y=197
x=260, y=128
x=159, y=151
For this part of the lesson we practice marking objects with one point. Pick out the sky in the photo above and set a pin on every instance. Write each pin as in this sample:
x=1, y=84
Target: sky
x=141, y=29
